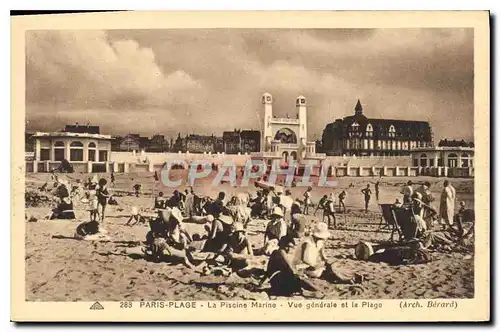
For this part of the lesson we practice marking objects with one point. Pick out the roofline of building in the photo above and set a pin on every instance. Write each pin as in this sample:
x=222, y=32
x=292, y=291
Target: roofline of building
x=443, y=148
x=69, y=134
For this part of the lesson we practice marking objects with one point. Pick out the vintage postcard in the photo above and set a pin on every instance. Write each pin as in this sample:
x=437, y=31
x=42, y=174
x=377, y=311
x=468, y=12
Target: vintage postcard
x=251, y=166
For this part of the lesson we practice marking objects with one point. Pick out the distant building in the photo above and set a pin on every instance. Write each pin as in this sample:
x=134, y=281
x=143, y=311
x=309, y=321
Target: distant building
x=29, y=142
x=358, y=135
x=241, y=141
x=157, y=143
x=455, y=143
x=76, y=144
x=179, y=144
x=133, y=142
x=201, y=143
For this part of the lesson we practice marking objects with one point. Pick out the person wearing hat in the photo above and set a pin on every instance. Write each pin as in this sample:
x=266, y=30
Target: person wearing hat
x=281, y=272
x=407, y=192
x=237, y=251
x=307, y=199
x=102, y=196
x=313, y=259
x=276, y=228
x=220, y=231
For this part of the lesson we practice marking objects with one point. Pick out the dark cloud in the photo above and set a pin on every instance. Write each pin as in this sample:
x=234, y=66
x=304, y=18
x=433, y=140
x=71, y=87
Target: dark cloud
x=211, y=80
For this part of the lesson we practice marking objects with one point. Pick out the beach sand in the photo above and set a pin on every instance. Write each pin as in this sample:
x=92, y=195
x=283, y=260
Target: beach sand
x=60, y=268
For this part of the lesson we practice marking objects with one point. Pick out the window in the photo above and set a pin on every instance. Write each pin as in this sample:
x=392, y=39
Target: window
x=59, y=151
x=431, y=162
x=465, y=160
x=92, y=151
x=415, y=162
x=103, y=155
x=76, y=151
x=44, y=154
x=452, y=160
x=369, y=130
x=392, y=131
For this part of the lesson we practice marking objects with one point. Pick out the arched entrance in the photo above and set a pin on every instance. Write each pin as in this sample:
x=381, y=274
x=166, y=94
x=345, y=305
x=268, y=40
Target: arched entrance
x=286, y=135
x=285, y=156
x=293, y=155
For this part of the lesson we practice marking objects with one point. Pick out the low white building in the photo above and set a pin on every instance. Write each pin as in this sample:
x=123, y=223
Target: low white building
x=86, y=152
x=453, y=161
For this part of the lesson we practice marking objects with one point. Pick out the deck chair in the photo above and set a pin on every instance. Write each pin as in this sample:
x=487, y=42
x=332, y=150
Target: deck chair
x=389, y=221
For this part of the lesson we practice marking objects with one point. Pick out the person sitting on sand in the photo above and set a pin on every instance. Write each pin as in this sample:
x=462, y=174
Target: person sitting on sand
x=311, y=257
x=160, y=201
x=64, y=204
x=219, y=234
x=175, y=200
x=135, y=217
x=217, y=207
x=112, y=200
x=275, y=230
x=281, y=272
x=238, y=250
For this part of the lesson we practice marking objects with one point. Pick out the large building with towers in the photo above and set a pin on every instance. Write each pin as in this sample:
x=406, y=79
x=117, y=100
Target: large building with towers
x=286, y=138
x=361, y=136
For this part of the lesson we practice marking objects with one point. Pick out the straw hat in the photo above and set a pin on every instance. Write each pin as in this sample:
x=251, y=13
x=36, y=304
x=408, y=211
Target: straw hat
x=363, y=250
x=238, y=227
x=226, y=219
x=418, y=197
x=277, y=211
x=321, y=231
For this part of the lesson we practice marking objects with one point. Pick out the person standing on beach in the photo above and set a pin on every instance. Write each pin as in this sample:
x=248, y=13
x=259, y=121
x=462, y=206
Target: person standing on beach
x=342, y=198
x=367, y=193
x=102, y=196
x=447, y=204
x=137, y=189
x=112, y=178
x=307, y=200
x=377, y=190
x=407, y=192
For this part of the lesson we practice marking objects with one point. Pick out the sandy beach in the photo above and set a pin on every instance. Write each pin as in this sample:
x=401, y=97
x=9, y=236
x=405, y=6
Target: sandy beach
x=60, y=268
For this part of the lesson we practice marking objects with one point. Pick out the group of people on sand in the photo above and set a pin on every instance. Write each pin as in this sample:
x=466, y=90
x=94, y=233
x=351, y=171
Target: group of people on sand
x=293, y=243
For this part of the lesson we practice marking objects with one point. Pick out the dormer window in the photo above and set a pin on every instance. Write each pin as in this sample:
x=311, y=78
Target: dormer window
x=392, y=131
x=355, y=126
x=369, y=130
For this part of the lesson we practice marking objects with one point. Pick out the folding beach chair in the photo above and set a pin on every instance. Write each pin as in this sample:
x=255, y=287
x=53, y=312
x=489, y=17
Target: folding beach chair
x=388, y=220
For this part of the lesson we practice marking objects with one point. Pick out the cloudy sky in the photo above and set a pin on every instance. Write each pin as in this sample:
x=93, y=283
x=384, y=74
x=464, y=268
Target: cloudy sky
x=208, y=81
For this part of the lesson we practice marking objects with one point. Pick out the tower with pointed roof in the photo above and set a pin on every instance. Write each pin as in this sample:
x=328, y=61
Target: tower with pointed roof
x=358, y=109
